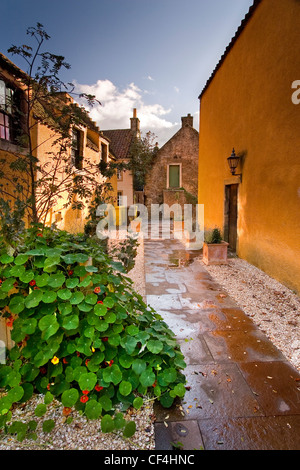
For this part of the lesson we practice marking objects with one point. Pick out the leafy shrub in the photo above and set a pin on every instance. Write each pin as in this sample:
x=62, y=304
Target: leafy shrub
x=81, y=333
x=214, y=236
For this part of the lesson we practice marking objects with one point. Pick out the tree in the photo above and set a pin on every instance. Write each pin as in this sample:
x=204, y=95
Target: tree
x=142, y=153
x=31, y=185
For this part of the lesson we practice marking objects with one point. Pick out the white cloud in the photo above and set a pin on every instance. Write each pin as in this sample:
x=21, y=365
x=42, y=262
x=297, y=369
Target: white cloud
x=176, y=89
x=117, y=106
x=150, y=78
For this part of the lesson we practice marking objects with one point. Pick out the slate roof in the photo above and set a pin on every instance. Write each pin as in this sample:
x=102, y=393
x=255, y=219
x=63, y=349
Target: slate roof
x=120, y=142
x=231, y=44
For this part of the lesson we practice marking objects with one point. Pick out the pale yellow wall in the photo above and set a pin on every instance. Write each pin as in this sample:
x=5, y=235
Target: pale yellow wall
x=125, y=184
x=248, y=106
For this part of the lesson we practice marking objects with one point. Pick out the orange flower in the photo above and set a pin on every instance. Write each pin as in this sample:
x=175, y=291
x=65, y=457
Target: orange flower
x=66, y=410
x=65, y=361
x=48, y=387
x=110, y=363
x=85, y=392
x=55, y=360
x=99, y=302
x=105, y=338
x=70, y=272
x=39, y=234
x=84, y=399
x=32, y=283
x=10, y=321
x=98, y=388
x=97, y=290
x=87, y=361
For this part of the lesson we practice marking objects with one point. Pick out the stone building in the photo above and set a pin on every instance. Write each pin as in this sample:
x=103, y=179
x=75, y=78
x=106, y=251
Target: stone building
x=120, y=143
x=173, y=178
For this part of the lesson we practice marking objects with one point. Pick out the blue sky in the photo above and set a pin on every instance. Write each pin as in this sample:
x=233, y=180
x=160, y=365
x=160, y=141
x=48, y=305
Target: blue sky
x=154, y=55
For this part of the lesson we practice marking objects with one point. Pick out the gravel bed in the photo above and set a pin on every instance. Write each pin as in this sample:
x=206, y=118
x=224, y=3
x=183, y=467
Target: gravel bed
x=274, y=308
x=83, y=434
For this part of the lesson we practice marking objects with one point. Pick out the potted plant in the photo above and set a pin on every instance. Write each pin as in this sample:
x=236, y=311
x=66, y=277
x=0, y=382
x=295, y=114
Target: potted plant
x=214, y=248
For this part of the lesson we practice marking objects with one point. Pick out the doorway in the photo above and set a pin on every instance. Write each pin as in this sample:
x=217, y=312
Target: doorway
x=231, y=215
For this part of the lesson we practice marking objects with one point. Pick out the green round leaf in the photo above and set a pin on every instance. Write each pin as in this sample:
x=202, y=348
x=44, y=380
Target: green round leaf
x=72, y=282
x=70, y=322
x=40, y=410
x=125, y=388
x=56, y=280
x=76, y=298
x=132, y=330
x=93, y=409
x=42, y=280
x=112, y=374
x=138, y=403
x=29, y=325
x=49, y=297
x=126, y=361
x=107, y=424
x=130, y=429
x=70, y=397
x=87, y=381
x=15, y=394
x=21, y=259
x=16, y=304
x=64, y=294
x=27, y=276
x=33, y=299
x=119, y=421
x=5, y=258
x=48, y=425
x=91, y=299
x=147, y=378
x=48, y=325
x=155, y=346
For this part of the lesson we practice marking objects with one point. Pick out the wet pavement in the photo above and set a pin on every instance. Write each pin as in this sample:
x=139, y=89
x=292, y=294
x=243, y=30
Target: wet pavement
x=242, y=393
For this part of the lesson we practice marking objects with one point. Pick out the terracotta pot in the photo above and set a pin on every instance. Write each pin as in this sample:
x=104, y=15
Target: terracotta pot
x=215, y=253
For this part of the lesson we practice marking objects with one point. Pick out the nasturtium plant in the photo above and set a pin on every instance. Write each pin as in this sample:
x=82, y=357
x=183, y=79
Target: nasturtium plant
x=82, y=334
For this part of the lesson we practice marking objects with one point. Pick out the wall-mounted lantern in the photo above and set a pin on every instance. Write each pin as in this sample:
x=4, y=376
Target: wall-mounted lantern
x=233, y=162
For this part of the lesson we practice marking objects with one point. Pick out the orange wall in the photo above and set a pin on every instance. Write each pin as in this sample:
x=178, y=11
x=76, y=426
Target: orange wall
x=248, y=106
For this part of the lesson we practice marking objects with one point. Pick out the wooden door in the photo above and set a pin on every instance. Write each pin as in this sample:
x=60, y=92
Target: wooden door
x=231, y=214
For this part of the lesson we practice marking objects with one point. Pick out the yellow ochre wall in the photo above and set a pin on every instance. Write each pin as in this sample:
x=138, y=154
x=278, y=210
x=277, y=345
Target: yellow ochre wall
x=248, y=105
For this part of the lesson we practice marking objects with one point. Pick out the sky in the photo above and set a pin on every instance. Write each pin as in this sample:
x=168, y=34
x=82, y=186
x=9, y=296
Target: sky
x=152, y=55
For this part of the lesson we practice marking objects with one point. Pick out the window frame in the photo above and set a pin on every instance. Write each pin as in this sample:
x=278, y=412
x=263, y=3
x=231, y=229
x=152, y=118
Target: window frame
x=168, y=175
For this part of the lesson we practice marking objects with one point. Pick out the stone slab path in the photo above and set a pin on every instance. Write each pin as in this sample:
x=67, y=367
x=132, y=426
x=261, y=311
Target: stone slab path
x=242, y=393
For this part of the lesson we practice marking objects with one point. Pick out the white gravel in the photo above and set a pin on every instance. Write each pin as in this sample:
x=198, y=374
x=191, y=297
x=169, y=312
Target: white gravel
x=274, y=308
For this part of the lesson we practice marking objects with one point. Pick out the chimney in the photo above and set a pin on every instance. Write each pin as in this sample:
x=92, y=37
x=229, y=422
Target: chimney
x=135, y=124
x=187, y=121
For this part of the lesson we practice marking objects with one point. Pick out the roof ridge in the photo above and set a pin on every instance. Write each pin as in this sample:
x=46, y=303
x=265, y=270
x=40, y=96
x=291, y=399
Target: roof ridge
x=232, y=42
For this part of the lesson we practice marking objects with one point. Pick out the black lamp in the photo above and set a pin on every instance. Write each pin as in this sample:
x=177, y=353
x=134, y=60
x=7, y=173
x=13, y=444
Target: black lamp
x=233, y=162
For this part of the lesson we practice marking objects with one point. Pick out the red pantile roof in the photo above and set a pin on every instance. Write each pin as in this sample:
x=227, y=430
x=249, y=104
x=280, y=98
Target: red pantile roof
x=120, y=142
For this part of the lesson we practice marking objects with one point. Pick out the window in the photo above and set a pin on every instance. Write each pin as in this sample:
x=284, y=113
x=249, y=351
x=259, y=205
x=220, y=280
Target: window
x=174, y=176
x=104, y=153
x=120, y=198
x=6, y=111
x=119, y=175
x=75, y=150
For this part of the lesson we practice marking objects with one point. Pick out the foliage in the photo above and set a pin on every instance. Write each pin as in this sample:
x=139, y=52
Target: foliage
x=81, y=333
x=31, y=185
x=213, y=236
x=141, y=155
x=125, y=251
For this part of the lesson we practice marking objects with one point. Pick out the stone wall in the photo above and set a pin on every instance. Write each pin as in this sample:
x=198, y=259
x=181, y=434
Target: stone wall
x=181, y=149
